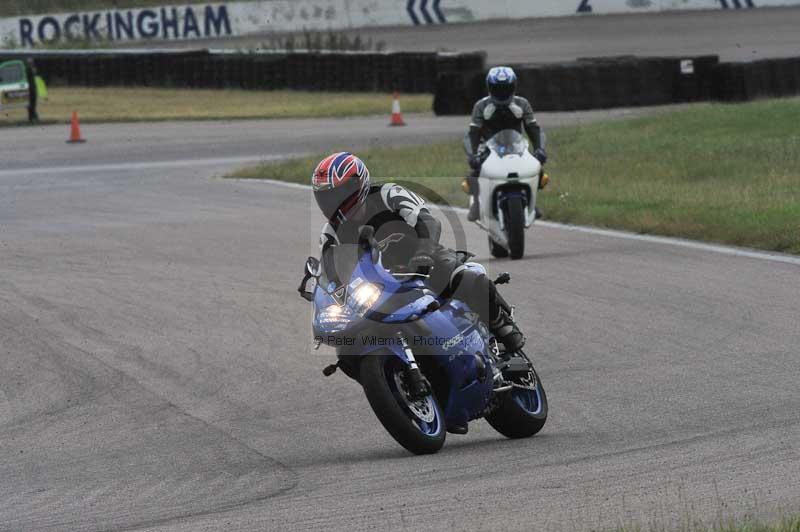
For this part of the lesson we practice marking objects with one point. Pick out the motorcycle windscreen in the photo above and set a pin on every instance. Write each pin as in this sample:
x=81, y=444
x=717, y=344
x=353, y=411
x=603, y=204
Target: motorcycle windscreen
x=338, y=263
x=508, y=142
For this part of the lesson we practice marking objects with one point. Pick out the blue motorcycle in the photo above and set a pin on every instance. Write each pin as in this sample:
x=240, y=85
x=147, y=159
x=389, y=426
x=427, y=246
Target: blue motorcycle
x=427, y=364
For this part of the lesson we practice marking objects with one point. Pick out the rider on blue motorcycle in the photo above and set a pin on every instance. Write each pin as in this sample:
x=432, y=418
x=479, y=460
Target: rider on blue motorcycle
x=501, y=109
x=406, y=233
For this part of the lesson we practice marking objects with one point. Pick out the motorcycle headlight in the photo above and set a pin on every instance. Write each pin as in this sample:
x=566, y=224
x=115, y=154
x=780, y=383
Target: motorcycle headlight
x=364, y=297
x=334, y=315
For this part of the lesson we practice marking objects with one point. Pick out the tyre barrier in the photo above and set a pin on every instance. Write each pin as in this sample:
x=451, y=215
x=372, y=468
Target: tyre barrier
x=598, y=83
x=590, y=83
x=455, y=79
x=315, y=71
x=738, y=82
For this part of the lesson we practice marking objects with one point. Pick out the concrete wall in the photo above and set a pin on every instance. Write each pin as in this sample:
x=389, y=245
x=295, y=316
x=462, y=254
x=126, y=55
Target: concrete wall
x=219, y=20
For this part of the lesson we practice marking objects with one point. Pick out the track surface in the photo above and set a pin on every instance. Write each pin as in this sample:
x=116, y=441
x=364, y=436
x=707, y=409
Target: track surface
x=735, y=35
x=156, y=371
x=201, y=143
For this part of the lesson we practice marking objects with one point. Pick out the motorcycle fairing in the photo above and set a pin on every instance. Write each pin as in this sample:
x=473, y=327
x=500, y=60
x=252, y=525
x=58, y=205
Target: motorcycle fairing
x=512, y=171
x=453, y=337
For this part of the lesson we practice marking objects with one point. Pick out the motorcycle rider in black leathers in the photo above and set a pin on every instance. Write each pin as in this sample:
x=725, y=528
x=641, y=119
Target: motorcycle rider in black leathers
x=407, y=234
x=500, y=110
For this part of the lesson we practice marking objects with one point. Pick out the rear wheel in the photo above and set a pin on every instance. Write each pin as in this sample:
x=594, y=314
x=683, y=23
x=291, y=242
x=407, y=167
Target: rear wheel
x=417, y=425
x=515, y=227
x=497, y=250
x=522, y=412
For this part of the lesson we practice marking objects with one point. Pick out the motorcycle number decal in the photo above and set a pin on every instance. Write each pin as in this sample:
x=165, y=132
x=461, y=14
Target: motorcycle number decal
x=454, y=341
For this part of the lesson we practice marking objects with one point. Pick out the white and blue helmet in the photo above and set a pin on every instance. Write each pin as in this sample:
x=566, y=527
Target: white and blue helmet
x=501, y=82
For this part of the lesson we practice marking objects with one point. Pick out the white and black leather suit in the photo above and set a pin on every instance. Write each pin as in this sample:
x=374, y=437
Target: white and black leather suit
x=489, y=118
x=405, y=230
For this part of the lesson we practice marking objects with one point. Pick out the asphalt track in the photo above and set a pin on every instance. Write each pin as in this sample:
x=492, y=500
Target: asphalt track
x=734, y=35
x=156, y=370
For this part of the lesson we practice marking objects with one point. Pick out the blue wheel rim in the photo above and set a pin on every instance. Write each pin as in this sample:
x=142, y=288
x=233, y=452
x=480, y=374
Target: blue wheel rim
x=432, y=428
x=529, y=400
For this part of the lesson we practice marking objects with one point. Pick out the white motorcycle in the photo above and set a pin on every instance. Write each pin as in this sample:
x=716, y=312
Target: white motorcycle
x=508, y=182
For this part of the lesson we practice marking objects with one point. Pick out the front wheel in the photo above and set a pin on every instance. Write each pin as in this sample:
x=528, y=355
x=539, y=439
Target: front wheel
x=522, y=412
x=416, y=425
x=515, y=227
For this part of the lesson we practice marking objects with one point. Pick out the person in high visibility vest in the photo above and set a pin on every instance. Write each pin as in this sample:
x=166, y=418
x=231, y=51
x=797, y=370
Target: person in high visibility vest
x=33, y=91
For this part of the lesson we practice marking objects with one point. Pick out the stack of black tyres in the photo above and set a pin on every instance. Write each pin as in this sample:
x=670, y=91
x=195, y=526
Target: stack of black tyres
x=593, y=83
x=455, y=79
x=411, y=72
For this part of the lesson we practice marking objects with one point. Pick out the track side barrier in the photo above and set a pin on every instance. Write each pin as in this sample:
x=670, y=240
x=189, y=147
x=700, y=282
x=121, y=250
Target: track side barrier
x=455, y=79
x=598, y=83
x=316, y=71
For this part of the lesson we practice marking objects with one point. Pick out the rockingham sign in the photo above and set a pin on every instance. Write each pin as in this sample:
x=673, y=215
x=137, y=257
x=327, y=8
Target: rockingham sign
x=184, y=22
x=232, y=19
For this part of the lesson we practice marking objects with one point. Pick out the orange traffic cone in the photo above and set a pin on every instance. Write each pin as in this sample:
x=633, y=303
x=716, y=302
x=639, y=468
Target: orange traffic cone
x=75, y=132
x=397, y=114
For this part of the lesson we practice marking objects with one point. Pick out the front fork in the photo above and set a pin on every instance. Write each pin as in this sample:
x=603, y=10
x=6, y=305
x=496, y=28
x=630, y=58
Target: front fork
x=419, y=387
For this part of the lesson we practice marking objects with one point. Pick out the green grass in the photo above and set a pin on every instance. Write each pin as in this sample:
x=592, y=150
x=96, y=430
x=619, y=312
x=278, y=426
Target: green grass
x=722, y=173
x=787, y=525
x=136, y=104
x=10, y=8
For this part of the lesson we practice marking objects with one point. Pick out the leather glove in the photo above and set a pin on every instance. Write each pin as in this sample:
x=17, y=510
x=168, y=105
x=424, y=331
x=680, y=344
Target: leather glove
x=421, y=262
x=540, y=155
x=475, y=162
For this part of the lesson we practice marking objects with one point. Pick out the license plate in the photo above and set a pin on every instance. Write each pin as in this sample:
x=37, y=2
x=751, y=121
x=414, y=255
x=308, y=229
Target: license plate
x=15, y=95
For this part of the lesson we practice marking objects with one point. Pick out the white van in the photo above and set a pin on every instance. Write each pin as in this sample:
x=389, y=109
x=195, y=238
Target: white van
x=13, y=85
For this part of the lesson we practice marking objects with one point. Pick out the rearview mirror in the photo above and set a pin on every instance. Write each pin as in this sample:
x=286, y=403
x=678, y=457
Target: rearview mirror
x=313, y=267
x=313, y=271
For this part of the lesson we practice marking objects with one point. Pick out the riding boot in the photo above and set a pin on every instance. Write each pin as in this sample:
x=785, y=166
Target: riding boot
x=474, y=208
x=458, y=428
x=473, y=189
x=480, y=293
x=507, y=332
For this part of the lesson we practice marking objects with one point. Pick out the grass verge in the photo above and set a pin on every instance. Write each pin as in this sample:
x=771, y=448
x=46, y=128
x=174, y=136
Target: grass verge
x=785, y=525
x=137, y=104
x=722, y=173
